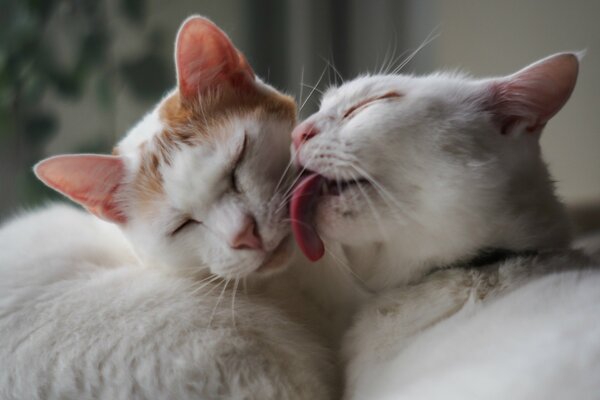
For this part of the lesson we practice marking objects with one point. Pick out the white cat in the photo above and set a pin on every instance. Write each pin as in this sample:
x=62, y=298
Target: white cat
x=144, y=306
x=432, y=191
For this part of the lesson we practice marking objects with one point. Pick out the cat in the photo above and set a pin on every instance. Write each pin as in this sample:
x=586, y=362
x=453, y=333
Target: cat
x=432, y=193
x=131, y=305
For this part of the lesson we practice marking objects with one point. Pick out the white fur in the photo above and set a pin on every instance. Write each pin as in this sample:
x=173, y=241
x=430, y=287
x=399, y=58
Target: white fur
x=444, y=182
x=81, y=319
x=197, y=185
x=536, y=343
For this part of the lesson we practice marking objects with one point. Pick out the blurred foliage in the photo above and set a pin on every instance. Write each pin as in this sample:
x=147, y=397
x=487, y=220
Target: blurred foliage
x=58, y=47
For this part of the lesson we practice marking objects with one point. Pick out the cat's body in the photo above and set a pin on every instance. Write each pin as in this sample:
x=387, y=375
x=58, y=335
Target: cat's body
x=149, y=305
x=525, y=328
x=409, y=179
x=81, y=318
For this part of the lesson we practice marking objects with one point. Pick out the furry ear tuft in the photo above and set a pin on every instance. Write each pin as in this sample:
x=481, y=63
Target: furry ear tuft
x=88, y=179
x=530, y=97
x=205, y=58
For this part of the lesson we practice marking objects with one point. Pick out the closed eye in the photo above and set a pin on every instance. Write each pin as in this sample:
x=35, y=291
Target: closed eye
x=365, y=103
x=182, y=225
x=234, y=181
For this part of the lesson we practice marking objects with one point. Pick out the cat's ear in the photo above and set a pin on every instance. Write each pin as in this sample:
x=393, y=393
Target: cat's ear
x=527, y=99
x=88, y=179
x=205, y=58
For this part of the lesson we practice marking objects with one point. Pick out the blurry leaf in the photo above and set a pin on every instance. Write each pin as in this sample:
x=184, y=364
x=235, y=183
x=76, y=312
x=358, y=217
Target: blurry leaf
x=59, y=45
x=40, y=126
x=67, y=85
x=100, y=144
x=7, y=126
x=133, y=10
x=41, y=7
x=147, y=76
x=32, y=88
x=34, y=192
x=93, y=47
x=156, y=38
x=104, y=91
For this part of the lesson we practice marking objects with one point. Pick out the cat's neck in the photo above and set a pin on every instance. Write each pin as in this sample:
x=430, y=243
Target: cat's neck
x=533, y=219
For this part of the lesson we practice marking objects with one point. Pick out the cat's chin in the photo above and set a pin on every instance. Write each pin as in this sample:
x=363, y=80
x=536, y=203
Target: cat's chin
x=278, y=259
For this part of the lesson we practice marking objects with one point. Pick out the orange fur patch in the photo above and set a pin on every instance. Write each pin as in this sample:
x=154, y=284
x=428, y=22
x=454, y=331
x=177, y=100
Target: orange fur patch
x=194, y=123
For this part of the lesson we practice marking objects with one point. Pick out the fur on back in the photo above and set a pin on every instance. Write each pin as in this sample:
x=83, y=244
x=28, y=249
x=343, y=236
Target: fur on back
x=81, y=319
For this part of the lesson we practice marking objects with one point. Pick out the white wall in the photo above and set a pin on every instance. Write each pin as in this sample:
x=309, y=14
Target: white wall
x=498, y=37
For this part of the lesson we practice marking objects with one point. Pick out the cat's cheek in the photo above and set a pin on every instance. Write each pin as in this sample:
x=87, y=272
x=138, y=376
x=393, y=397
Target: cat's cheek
x=350, y=220
x=334, y=216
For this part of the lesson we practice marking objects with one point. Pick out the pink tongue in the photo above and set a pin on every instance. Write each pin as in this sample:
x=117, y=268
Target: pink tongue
x=302, y=210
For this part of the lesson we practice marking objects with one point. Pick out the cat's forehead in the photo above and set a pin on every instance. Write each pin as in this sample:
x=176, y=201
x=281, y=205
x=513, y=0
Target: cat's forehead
x=194, y=174
x=181, y=153
x=173, y=119
x=365, y=86
x=436, y=84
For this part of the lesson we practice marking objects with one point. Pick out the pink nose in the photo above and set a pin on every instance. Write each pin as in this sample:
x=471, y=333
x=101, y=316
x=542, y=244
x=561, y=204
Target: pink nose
x=303, y=133
x=247, y=237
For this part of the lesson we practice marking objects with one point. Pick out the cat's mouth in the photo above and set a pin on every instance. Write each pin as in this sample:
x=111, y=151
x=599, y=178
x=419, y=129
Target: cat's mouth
x=310, y=187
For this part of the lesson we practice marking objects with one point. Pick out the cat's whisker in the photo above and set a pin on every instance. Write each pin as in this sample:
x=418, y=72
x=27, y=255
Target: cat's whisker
x=384, y=193
x=374, y=211
x=218, y=302
x=343, y=197
x=346, y=268
x=301, y=85
x=434, y=34
x=394, y=62
x=312, y=91
x=393, y=59
x=282, y=178
x=388, y=59
x=235, y=287
x=197, y=269
x=313, y=88
x=335, y=70
x=210, y=281
x=217, y=279
x=289, y=191
x=293, y=156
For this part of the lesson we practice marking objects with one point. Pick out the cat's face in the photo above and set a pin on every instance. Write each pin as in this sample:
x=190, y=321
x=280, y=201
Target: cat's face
x=432, y=156
x=205, y=192
x=198, y=184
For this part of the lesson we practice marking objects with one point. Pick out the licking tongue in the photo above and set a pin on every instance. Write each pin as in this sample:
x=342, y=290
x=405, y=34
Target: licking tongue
x=302, y=209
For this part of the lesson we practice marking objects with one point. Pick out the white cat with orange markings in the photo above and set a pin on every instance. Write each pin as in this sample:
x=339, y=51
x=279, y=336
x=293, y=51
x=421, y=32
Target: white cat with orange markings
x=144, y=306
x=432, y=195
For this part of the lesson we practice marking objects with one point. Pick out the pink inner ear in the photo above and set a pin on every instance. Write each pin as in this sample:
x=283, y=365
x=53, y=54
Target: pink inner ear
x=536, y=93
x=205, y=57
x=90, y=180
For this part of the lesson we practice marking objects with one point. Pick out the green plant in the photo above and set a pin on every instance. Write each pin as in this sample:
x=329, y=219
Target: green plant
x=59, y=47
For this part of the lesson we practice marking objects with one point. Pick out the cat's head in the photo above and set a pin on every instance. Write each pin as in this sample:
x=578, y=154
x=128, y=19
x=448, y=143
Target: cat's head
x=197, y=184
x=437, y=165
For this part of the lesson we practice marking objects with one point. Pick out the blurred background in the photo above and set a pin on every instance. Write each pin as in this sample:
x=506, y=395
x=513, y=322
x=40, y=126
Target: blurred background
x=76, y=74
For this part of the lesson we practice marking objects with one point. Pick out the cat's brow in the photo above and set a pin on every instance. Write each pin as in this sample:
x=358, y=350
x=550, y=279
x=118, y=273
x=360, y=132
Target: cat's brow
x=362, y=103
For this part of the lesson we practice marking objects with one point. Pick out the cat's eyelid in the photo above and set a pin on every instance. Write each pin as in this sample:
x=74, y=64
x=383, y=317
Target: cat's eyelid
x=237, y=161
x=183, y=224
x=240, y=153
x=368, y=101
